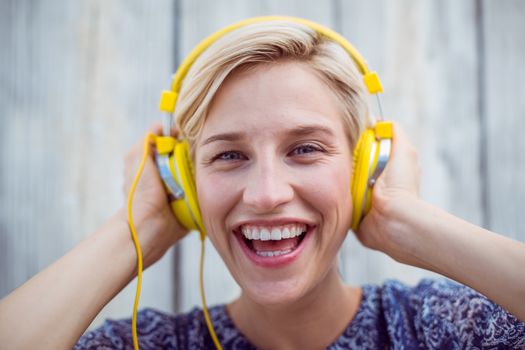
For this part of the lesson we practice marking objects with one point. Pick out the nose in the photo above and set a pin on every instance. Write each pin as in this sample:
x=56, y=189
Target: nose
x=268, y=187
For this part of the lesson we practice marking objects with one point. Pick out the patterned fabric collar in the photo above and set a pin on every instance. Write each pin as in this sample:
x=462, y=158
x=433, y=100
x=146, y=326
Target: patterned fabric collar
x=368, y=316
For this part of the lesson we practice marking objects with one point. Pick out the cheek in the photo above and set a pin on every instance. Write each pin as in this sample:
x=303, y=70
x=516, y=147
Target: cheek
x=330, y=191
x=216, y=195
x=335, y=195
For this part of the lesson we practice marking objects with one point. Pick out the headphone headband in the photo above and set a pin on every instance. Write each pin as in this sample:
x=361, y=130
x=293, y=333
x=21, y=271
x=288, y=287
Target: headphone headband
x=168, y=98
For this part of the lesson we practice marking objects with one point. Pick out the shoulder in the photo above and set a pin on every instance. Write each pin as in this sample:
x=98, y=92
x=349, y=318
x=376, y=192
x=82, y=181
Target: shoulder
x=155, y=330
x=444, y=314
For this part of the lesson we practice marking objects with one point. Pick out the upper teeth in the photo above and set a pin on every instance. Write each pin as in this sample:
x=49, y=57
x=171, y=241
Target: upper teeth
x=273, y=233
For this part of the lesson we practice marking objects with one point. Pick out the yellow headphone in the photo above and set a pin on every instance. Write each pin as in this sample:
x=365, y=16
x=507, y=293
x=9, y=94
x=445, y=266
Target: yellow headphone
x=174, y=160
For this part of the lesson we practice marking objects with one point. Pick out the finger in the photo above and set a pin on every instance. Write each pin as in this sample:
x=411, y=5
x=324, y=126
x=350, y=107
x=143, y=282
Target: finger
x=130, y=171
x=157, y=129
x=400, y=139
x=402, y=169
x=402, y=148
x=133, y=158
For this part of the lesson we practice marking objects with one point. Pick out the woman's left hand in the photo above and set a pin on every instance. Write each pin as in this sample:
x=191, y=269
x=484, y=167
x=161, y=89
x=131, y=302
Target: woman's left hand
x=417, y=233
x=397, y=188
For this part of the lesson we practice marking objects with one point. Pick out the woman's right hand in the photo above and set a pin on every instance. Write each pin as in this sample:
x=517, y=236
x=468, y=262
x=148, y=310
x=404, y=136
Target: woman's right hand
x=94, y=271
x=155, y=224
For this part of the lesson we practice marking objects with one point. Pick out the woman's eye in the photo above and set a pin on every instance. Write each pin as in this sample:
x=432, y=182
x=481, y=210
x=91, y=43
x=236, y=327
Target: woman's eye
x=306, y=149
x=229, y=156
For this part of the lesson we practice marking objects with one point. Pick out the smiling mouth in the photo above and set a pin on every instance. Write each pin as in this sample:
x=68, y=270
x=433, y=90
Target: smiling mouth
x=273, y=241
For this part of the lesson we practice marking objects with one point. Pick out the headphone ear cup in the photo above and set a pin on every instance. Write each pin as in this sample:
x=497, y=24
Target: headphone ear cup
x=186, y=209
x=363, y=162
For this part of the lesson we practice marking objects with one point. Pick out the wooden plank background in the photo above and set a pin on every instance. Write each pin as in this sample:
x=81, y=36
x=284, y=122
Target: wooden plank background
x=80, y=81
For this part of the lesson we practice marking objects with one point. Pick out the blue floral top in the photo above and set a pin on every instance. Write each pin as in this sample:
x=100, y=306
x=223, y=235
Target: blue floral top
x=432, y=315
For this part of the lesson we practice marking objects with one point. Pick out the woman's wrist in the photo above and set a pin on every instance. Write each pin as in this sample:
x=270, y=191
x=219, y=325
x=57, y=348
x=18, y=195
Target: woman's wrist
x=402, y=224
x=121, y=243
x=156, y=235
x=423, y=235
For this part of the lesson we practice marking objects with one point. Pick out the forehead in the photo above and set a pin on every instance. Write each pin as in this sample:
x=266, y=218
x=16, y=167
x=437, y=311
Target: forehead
x=273, y=97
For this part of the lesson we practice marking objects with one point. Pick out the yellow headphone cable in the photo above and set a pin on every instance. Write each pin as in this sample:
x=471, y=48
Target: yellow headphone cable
x=150, y=137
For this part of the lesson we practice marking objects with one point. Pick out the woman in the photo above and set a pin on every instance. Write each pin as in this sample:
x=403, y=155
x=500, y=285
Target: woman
x=272, y=112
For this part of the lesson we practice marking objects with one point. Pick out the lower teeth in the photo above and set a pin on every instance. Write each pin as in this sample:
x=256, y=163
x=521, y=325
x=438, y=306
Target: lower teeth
x=273, y=253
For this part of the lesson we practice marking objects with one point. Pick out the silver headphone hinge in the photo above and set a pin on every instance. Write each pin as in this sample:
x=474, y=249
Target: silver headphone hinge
x=382, y=159
x=163, y=164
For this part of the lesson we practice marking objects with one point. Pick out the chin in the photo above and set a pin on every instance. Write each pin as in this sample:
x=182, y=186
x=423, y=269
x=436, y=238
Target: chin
x=274, y=293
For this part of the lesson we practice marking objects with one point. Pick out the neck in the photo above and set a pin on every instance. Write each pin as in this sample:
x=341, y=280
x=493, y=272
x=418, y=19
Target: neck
x=313, y=322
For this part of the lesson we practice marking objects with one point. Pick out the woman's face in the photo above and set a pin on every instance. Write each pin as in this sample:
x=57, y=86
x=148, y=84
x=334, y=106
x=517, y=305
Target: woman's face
x=273, y=169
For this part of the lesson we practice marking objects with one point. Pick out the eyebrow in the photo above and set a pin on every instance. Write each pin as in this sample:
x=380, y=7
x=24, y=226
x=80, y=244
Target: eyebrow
x=306, y=130
x=298, y=131
x=228, y=136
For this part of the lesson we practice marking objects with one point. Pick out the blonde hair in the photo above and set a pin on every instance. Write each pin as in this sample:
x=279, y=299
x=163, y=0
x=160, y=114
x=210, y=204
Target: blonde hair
x=264, y=43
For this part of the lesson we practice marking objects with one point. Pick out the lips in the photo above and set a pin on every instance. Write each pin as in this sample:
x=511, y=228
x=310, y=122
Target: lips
x=273, y=245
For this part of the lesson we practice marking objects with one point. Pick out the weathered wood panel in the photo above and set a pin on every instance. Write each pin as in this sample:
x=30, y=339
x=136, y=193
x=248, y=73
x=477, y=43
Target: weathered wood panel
x=80, y=82
x=503, y=108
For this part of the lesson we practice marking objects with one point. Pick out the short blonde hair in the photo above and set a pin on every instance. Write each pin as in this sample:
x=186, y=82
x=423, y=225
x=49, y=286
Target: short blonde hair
x=264, y=43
